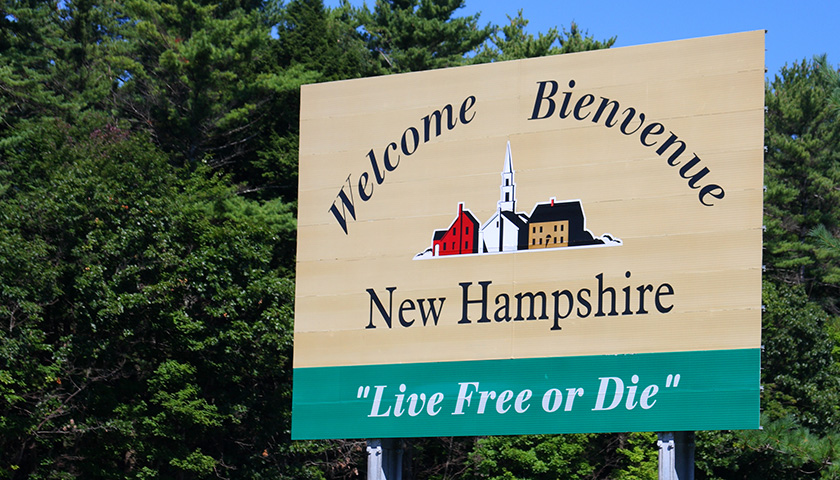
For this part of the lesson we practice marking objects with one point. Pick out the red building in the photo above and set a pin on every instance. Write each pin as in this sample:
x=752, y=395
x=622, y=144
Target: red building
x=461, y=237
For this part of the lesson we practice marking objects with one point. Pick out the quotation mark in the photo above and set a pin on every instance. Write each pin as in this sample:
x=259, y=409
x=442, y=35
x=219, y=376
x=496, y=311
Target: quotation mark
x=365, y=391
x=671, y=378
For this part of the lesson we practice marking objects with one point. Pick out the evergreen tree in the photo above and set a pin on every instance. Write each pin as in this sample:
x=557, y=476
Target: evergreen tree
x=30, y=42
x=203, y=81
x=93, y=62
x=146, y=316
x=323, y=40
x=801, y=377
x=415, y=35
x=802, y=169
x=510, y=42
x=313, y=44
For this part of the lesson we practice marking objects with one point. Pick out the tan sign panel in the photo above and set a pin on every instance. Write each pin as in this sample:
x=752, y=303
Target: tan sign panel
x=599, y=203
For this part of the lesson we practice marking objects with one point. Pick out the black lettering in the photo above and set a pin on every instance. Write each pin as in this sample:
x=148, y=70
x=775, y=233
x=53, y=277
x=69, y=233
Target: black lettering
x=557, y=317
x=466, y=108
x=659, y=307
x=693, y=178
x=713, y=190
x=649, y=130
x=415, y=135
x=504, y=309
x=346, y=207
x=630, y=118
x=585, y=303
x=545, y=105
x=406, y=305
x=435, y=314
x=408, y=145
x=680, y=148
x=567, y=95
x=466, y=302
x=363, y=183
x=626, y=291
x=608, y=122
x=438, y=116
x=374, y=300
x=582, y=103
x=533, y=298
x=601, y=292
x=376, y=174
x=542, y=96
x=642, y=289
x=387, y=157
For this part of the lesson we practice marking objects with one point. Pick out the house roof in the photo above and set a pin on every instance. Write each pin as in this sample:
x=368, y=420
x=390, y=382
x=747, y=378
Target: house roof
x=559, y=211
x=517, y=219
x=470, y=217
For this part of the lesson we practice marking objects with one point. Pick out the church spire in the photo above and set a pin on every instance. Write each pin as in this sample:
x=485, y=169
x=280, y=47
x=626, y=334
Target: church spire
x=507, y=199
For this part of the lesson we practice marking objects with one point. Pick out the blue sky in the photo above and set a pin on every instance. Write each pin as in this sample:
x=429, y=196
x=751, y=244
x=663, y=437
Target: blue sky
x=796, y=30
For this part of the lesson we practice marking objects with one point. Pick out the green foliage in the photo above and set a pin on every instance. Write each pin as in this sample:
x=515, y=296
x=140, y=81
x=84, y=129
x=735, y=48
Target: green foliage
x=324, y=41
x=802, y=169
x=510, y=42
x=531, y=457
x=799, y=403
x=800, y=375
x=783, y=450
x=204, y=83
x=826, y=240
x=147, y=314
x=30, y=42
x=630, y=456
x=827, y=251
x=640, y=458
x=415, y=35
x=577, y=40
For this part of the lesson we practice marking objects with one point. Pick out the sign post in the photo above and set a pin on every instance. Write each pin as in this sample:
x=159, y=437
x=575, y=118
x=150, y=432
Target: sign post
x=676, y=455
x=384, y=459
x=566, y=244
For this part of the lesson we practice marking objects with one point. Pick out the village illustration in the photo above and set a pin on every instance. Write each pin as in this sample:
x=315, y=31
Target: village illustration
x=551, y=225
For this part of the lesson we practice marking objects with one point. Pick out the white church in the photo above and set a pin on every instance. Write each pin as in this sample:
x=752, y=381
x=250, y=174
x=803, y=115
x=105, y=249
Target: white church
x=507, y=230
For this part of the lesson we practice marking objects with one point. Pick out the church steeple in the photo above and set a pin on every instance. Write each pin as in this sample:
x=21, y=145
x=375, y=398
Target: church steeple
x=507, y=199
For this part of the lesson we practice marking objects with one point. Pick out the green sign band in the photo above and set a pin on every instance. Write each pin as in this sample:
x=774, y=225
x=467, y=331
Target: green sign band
x=673, y=391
